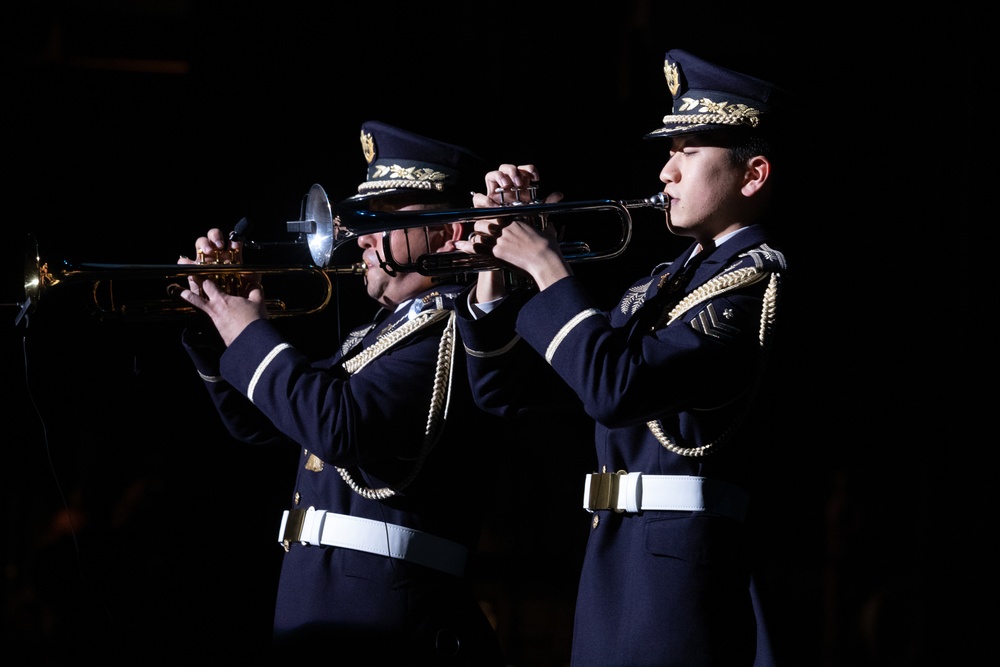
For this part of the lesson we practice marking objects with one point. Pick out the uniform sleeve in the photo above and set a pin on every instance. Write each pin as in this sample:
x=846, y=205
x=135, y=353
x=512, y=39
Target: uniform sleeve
x=322, y=408
x=239, y=416
x=508, y=378
x=706, y=358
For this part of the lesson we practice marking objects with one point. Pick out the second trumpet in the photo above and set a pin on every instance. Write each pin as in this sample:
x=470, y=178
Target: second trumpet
x=585, y=236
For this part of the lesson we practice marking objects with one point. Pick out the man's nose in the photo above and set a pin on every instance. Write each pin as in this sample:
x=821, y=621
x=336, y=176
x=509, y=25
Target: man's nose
x=667, y=173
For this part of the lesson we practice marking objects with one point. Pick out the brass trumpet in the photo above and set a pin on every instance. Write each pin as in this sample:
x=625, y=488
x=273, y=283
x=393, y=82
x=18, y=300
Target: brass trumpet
x=149, y=291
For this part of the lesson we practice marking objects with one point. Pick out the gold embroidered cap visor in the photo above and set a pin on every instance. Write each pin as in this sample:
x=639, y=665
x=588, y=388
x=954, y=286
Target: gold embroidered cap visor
x=417, y=183
x=401, y=163
x=401, y=174
x=708, y=97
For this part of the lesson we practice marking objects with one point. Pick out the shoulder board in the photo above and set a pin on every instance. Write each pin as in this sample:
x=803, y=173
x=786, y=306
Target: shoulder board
x=763, y=257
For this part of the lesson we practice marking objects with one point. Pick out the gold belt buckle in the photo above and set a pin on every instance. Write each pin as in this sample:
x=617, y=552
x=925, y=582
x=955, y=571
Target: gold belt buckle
x=293, y=528
x=604, y=491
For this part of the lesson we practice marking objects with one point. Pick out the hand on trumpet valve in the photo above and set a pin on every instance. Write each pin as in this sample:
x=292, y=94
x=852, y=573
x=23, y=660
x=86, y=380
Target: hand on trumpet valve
x=214, y=248
x=512, y=185
x=484, y=236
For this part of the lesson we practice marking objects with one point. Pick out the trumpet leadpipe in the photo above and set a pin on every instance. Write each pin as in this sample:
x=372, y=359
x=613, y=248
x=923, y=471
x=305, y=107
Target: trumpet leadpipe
x=151, y=291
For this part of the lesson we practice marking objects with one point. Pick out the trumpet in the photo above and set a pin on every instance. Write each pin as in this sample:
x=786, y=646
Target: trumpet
x=327, y=227
x=150, y=291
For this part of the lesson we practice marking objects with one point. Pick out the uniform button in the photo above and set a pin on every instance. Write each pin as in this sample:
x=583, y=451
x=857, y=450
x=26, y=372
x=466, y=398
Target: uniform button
x=298, y=498
x=597, y=520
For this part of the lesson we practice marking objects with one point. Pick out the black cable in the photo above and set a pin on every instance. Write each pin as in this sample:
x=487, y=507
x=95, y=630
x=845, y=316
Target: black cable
x=55, y=477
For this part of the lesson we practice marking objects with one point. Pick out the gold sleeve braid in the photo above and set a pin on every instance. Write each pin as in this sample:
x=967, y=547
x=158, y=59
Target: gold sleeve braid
x=440, y=396
x=768, y=314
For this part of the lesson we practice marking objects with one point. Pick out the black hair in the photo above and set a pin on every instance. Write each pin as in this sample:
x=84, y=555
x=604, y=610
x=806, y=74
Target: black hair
x=745, y=143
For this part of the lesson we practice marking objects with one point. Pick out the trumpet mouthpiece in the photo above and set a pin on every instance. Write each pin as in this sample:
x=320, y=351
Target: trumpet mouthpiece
x=659, y=201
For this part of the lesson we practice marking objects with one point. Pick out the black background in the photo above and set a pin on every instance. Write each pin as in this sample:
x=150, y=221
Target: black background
x=133, y=523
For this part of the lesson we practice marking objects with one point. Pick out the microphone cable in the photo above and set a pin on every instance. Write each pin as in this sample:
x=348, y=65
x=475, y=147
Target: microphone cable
x=62, y=496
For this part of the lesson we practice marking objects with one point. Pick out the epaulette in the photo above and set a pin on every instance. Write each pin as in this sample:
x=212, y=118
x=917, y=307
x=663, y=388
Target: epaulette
x=765, y=257
x=435, y=300
x=749, y=267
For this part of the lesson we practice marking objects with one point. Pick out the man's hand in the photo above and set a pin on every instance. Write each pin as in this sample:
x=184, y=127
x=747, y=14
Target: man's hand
x=512, y=241
x=230, y=313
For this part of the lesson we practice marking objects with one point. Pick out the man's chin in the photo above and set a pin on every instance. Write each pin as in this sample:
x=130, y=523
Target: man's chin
x=374, y=291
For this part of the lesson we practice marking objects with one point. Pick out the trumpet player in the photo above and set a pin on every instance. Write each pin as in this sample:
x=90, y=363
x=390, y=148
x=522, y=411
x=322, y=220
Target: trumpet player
x=669, y=374
x=385, y=508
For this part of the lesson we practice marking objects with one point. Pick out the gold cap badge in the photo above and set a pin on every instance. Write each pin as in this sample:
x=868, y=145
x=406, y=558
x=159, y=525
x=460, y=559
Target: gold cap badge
x=368, y=146
x=673, y=77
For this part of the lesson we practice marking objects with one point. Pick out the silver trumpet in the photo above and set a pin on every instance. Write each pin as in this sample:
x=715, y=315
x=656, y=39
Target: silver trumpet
x=326, y=227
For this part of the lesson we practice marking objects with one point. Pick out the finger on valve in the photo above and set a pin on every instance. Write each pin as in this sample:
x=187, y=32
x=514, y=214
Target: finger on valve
x=250, y=284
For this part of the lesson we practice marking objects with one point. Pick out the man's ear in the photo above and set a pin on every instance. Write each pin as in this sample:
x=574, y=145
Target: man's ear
x=452, y=232
x=757, y=172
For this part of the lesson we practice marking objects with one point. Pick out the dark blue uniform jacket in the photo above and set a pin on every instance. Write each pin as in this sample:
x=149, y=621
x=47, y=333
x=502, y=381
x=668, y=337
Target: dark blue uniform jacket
x=369, y=429
x=657, y=587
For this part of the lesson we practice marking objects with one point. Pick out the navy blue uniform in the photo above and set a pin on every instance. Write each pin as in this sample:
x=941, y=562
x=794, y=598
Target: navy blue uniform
x=668, y=375
x=386, y=434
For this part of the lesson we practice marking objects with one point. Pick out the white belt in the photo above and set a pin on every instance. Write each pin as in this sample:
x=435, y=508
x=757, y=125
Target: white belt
x=319, y=527
x=634, y=492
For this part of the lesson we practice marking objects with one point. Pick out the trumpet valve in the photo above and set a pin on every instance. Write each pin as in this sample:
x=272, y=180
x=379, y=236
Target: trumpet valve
x=227, y=257
x=516, y=191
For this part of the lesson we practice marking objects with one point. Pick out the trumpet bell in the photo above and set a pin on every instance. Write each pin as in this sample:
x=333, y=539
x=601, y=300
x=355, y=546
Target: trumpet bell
x=33, y=275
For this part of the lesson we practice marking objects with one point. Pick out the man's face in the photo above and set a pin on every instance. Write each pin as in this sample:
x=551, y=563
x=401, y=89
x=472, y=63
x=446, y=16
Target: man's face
x=405, y=245
x=704, y=187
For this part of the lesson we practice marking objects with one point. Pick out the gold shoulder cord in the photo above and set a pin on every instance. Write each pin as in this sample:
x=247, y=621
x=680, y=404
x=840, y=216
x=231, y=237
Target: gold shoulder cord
x=440, y=397
x=768, y=313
